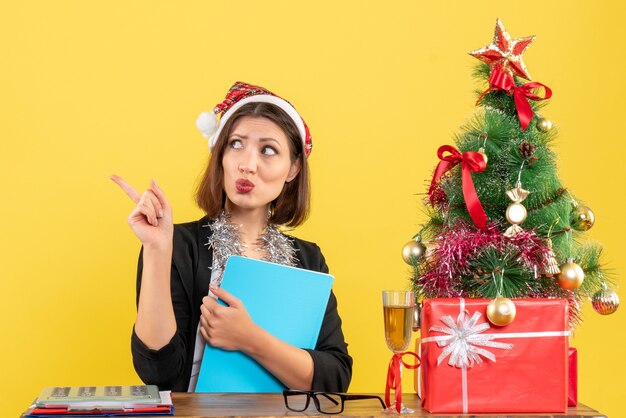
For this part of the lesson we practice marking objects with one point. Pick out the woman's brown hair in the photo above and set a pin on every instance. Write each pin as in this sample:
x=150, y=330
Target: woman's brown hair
x=291, y=207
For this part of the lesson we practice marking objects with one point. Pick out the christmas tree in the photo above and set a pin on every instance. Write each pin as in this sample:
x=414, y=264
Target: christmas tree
x=501, y=224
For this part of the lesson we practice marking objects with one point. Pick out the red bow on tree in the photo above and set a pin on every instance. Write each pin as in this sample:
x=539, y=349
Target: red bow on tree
x=502, y=80
x=471, y=161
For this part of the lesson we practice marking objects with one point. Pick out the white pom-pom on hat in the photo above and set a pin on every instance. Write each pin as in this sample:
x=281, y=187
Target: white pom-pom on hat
x=207, y=124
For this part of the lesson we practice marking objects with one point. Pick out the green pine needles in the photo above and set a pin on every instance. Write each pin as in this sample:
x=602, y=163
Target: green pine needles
x=465, y=260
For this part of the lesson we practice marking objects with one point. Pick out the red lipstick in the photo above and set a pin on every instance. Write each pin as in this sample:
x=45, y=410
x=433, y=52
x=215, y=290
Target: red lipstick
x=244, y=185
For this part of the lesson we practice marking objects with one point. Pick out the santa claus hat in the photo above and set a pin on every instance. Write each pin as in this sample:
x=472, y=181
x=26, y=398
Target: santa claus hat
x=240, y=94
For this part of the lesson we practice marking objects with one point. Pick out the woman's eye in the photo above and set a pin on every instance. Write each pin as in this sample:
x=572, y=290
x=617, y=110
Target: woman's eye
x=236, y=144
x=267, y=150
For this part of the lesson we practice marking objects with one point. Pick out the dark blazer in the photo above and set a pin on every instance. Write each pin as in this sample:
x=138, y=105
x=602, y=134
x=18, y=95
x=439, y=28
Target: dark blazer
x=170, y=367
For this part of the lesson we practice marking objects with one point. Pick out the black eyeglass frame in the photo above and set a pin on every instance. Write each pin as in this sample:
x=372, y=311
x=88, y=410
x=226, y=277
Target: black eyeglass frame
x=311, y=394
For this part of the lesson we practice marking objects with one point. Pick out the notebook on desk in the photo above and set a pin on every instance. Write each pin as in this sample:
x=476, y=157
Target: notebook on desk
x=287, y=302
x=100, y=401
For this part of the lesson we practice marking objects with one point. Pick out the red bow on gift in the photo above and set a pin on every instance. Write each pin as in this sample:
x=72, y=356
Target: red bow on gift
x=471, y=161
x=394, y=378
x=501, y=80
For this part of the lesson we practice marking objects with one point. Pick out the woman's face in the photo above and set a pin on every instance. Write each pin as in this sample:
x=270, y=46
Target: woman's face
x=256, y=163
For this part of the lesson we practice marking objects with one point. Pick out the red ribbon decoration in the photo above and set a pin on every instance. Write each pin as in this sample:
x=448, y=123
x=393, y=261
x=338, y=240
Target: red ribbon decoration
x=501, y=80
x=394, y=379
x=471, y=161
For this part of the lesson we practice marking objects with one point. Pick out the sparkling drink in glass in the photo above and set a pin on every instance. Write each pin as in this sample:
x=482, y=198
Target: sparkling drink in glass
x=398, y=323
x=398, y=307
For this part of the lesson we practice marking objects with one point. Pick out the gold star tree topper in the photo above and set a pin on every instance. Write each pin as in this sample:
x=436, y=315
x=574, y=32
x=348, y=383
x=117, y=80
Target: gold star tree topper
x=505, y=52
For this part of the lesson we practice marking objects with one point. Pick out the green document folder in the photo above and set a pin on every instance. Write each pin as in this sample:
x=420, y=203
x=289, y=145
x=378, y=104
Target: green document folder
x=287, y=302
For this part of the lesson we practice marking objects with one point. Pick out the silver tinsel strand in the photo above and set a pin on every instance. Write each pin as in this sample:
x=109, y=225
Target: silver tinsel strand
x=225, y=241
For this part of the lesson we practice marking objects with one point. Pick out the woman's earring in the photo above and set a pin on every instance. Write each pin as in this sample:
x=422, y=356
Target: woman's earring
x=270, y=210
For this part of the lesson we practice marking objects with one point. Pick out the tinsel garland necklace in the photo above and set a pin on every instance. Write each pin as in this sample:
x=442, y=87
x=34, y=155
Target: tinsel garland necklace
x=225, y=241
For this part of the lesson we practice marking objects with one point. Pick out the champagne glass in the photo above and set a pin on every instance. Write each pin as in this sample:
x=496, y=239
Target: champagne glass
x=398, y=307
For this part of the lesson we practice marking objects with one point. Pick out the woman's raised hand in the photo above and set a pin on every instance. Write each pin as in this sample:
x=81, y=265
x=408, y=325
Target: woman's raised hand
x=151, y=220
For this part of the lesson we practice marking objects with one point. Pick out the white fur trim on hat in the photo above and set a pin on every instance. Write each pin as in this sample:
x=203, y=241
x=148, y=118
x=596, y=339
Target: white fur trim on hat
x=264, y=98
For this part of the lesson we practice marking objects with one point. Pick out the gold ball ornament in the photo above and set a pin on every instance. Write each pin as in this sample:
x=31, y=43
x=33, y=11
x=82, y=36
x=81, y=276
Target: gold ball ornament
x=605, y=301
x=501, y=311
x=582, y=218
x=544, y=125
x=516, y=213
x=482, y=152
x=413, y=251
x=571, y=276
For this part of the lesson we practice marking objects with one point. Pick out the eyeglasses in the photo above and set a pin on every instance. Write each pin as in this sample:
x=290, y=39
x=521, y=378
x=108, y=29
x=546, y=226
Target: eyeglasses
x=325, y=402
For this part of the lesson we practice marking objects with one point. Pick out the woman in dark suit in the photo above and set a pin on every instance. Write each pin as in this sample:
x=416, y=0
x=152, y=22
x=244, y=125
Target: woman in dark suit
x=256, y=181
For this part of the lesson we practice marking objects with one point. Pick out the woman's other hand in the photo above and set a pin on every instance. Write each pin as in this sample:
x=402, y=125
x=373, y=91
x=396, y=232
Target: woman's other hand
x=226, y=327
x=231, y=328
x=151, y=219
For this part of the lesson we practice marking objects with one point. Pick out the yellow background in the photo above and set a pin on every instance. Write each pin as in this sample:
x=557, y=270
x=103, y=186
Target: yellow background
x=92, y=88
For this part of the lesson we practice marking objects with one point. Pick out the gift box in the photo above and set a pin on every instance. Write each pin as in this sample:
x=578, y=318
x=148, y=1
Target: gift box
x=572, y=378
x=471, y=366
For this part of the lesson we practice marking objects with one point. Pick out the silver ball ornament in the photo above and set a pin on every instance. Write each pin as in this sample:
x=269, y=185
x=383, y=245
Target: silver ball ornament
x=413, y=251
x=605, y=301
